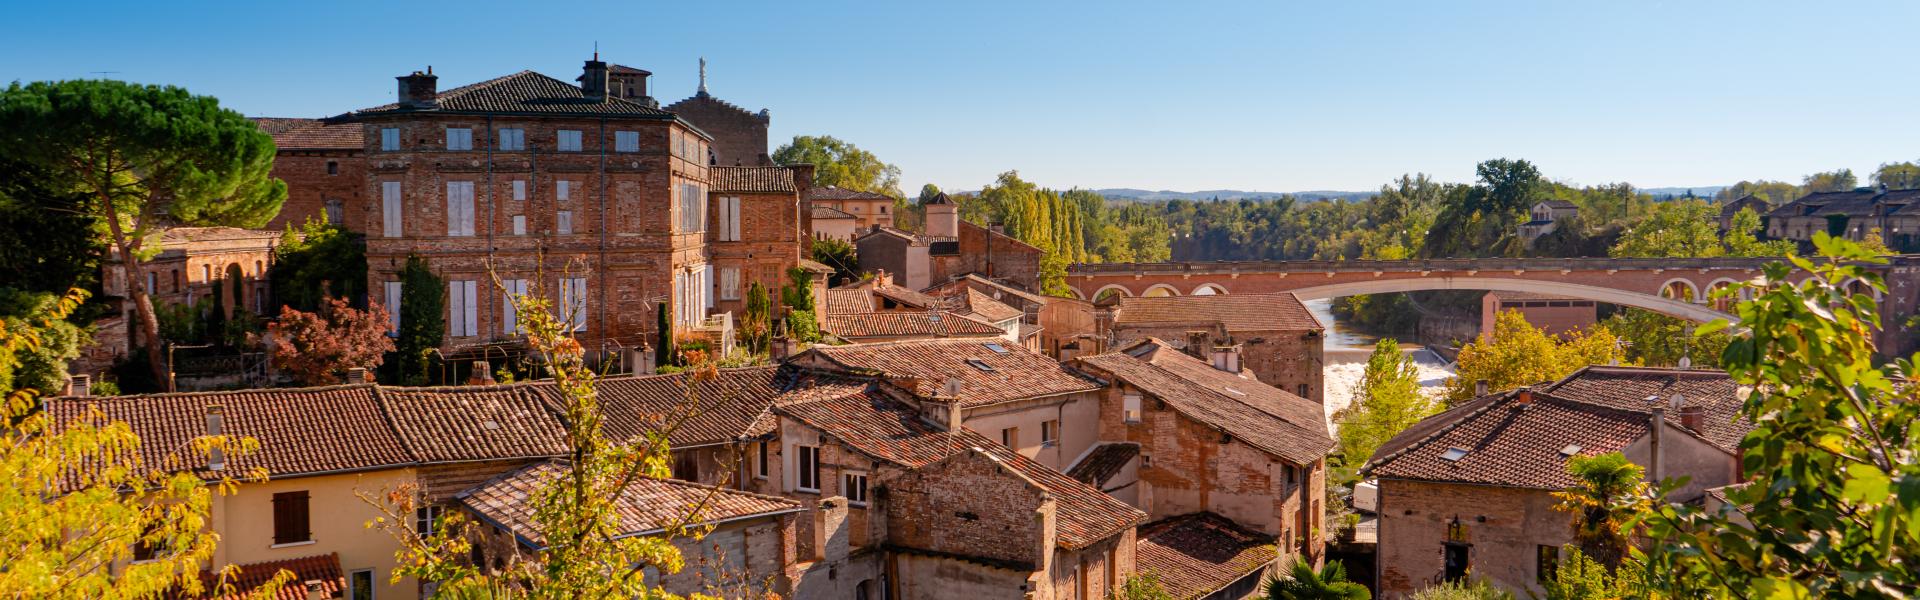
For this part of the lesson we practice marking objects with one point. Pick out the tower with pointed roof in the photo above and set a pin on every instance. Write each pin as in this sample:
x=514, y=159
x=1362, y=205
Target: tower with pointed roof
x=739, y=136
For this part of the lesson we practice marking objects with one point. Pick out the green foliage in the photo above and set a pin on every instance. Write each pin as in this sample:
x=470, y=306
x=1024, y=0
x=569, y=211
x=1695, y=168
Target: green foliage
x=1830, y=181
x=1677, y=228
x=841, y=164
x=1654, y=339
x=1075, y=226
x=1142, y=585
x=840, y=255
x=1608, y=490
x=1482, y=222
x=1461, y=590
x=757, y=324
x=1578, y=577
x=664, y=353
x=797, y=295
x=1831, y=507
x=42, y=365
x=53, y=243
x=1776, y=193
x=1898, y=175
x=1303, y=583
x=1521, y=354
x=423, y=309
x=318, y=261
x=1743, y=237
x=1387, y=402
x=802, y=325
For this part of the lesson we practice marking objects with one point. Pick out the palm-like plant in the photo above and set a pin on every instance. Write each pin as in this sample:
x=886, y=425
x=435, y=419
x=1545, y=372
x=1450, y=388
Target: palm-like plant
x=1303, y=583
x=1608, y=490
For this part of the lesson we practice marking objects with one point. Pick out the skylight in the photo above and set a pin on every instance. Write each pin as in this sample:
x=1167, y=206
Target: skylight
x=1453, y=455
x=979, y=364
x=996, y=348
x=1570, y=450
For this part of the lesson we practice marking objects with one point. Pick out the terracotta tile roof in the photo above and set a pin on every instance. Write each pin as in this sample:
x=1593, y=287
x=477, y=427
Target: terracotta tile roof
x=730, y=408
x=526, y=92
x=879, y=427
x=313, y=134
x=828, y=212
x=1497, y=440
x=301, y=431
x=321, y=571
x=648, y=506
x=1262, y=416
x=971, y=280
x=913, y=239
x=1017, y=373
x=838, y=193
x=1102, y=462
x=1239, y=312
x=1628, y=388
x=442, y=424
x=1558, y=204
x=1200, y=553
x=897, y=324
x=178, y=237
x=751, y=179
x=844, y=301
x=986, y=307
x=904, y=296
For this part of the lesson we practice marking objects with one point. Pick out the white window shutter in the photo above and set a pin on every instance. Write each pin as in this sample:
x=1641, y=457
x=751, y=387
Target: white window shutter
x=453, y=208
x=563, y=190
x=520, y=189
x=454, y=318
x=393, y=307
x=563, y=222
x=510, y=321
x=390, y=205
x=471, y=290
x=519, y=224
x=707, y=277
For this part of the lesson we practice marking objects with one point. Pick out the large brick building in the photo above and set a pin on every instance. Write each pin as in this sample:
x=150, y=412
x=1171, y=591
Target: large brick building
x=1470, y=490
x=949, y=248
x=739, y=136
x=1851, y=214
x=1275, y=335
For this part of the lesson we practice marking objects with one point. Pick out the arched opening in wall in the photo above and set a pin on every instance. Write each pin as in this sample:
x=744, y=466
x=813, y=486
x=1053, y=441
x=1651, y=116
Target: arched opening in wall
x=232, y=293
x=1160, y=290
x=1719, y=295
x=1860, y=286
x=1679, y=289
x=1111, y=292
x=863, y=591
x=1208, y=289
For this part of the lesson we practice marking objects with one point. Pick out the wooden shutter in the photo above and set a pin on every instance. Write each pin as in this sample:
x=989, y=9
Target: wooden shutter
x=393, y=305
x=290, y=518
x=470, y=298
x=390, y=208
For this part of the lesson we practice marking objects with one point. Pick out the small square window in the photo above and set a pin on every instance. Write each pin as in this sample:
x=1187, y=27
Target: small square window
x=854, y=487
x=980, y=364
x=997, y=349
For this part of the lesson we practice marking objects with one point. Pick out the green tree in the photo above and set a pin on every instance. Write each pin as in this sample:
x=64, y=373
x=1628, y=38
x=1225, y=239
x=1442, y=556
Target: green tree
x=665, y=353
x=1607, y=492
x=1743, y=237
x=1677, y=228
x=145, y=157
x=1830, y=181
x=1482, y=221
x=423, y=310
x=1655, y=339
x=1776, y=193
x=1831, y=505
x=797, y=297
x=1577, y=577
x=1303, y=583
x=64, y=247
x=1898, y=176
x=1388, y=402
x=841, y=164
x=757, y=322
x=316, y=262
x=1142, y=585
x=841, y=255
x=1521, y=354
x=42, y=365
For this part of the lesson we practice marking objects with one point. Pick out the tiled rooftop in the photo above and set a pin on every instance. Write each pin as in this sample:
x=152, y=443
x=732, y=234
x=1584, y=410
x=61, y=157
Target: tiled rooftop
x=752, y=179
x=1239, y=312
x=849, y=300
x=897, y=324
x=1197, y=554
x=987, y=376
x=839, y=193
x=527, y=92
x=1258, y=414
x=322, y=570
x=828, y=212
x=986, y=307
x=648, y=506
x=1103, y=462
x=313, y=134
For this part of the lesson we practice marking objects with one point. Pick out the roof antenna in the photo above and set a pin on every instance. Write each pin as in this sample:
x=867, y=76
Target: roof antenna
x=596, y=50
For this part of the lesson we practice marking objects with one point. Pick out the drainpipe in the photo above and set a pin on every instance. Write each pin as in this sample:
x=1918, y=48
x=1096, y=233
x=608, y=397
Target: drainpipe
x=1657, y=423
x=492, y=142
x=602, y=267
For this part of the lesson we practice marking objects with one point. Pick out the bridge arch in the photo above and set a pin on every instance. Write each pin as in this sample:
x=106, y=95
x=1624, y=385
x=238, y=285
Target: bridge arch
x=1160, y=290
x=1114, y=288
x=1680, y=288
x=1668, y=306
x=1209, y=289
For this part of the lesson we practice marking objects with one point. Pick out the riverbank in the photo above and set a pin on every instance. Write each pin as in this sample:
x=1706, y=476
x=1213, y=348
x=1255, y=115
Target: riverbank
x=1346, y=353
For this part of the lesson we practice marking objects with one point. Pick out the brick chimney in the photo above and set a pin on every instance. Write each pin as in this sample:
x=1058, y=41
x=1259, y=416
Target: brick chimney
x=1479, y=387
x=802, y=176
x=419, y=90
x=1198, y=343
x=1656, y=425
x=830, y=535
x=355, y=375
x=1227, y=358
x=943, y=217
x=593, y=79
x=1524, y=398
x=1693, y=417
x=216, y=421
x=80, y=386
x=482, y=374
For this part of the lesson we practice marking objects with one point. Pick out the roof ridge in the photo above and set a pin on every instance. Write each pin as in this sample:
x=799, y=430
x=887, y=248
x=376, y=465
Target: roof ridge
x=380, y=402
x=1495, y=400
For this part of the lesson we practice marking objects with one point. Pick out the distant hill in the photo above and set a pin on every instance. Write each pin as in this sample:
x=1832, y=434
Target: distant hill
x=1666, y=193
x=1149, y=195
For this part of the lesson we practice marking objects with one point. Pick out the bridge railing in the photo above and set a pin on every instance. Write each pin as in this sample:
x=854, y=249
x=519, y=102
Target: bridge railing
x=1438, y=264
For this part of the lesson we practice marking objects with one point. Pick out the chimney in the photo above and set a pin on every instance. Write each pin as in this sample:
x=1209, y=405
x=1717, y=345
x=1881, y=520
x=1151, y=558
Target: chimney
x=802, y=176
x=420, y=90
x=779, y=348
x=1693, y=418
x=1479, y=388
x=830, y=536
x=1656, y=425
x=881, y=278
x=482, y=374
x=1524, y=398
x=593, y=79
x=356, y=375
x=80, y=386
x=1197, y=344
x=1227, y=358
x=216, y=417
x=943, y=217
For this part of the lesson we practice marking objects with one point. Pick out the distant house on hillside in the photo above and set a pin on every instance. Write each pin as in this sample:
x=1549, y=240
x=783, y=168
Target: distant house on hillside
x=1545, y=216
x=1759, y=207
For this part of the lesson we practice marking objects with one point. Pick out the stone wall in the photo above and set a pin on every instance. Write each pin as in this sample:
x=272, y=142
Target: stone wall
x=1501, y=528
x=739, y=137
x=970, y=504
x=316, y=177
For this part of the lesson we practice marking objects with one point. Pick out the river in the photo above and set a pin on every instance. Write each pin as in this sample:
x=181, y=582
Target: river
x=1346, y=353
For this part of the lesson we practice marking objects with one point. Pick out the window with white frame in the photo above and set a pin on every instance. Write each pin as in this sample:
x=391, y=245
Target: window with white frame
x=853, y=485
x=519, y=224
x=459, y=138
x=520, y=190
x=460, y=208
x=573, y=297
x=730, y=283
x=390, y=208
x=706, y=289
x=729, y=218
x=626, y=141
x=1130, y=407
x=563, y=190
x=513, y=138
x=390, y=139
x=463, y=309
x=569, y=140
x=509, y=317
x=563, y=222
x=426, y=519
x=807, y=472
x=393, y=308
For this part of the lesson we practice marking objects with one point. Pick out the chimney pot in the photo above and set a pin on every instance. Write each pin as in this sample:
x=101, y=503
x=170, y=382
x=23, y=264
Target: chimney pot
x=1480, y=387
x=1525, y=397
x=1197, y=344
x=482, y=374
x=593, y=79
x=216, y=421
x=419, y=90
x=1693, y=417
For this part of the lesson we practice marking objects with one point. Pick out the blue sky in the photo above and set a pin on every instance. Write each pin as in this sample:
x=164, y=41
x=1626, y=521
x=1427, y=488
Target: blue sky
x=1276, y=96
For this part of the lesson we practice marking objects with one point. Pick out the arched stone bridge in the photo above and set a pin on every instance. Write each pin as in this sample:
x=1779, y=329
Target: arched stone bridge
x=1675, y=286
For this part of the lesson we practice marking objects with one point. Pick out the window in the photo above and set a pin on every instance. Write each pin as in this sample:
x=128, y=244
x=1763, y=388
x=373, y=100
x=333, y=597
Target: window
x=360, y=585
x=393, y=308
x=509, y=323
x=520, y=189
x=390, y=208
x=760, y=468
x=206, y=273
x=390, y=139
x=563, y=222
x=1303, y=390
x=853, y=485
x=333, y=167
x=1453, y=454
x=980, y=364
x=336, y=211
x=808, y=472
x=1546, y=563
x=153, y=282
x=693, y=208
x=1459, y=561
x=426, y=519
x=460, y=209
x=1130, y=408
x=290, y=518
x=573, y=295
x=1010, y=437
x=176, y=280
x=569, y=140
x=462, y=310
x=706, y=287
x=686, y=466
x=519, y=224
x=730, y=283
x=513, y=138
x=1292, y=474
x=730, y=218
x=1049, y=432
x=563, y=190
x=459, y=138
x=626, y=141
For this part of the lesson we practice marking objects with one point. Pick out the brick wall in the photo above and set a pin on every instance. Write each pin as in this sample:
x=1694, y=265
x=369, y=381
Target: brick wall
x=770, y=241
x=311, y=184
x=739, y=137
x=1286, y=359
x=1000, y=256
x=970, y=504
x=1503, y=530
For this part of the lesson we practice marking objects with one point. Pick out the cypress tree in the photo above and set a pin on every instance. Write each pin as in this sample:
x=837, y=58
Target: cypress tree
x=423, y=307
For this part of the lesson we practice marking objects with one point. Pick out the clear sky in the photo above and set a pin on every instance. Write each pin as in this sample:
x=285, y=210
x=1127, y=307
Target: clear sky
x=1257, y=95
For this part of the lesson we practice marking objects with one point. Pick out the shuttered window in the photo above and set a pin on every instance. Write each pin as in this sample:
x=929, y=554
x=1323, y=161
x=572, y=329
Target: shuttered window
x=460, y=208
x=509, y=319
x=563, y=190
x=390, y=139
x=569, y=140
x=519, y=224
x=459, y=138
x=563, y=222
x=520, y=189
x=706, y=288
x=573, y=296
x=390, y=208
x=463, y=308
x=290, y=518
x=626, y=141
x=513, y=138
x=730, y=283
x=730, y=218
x=393, y=308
